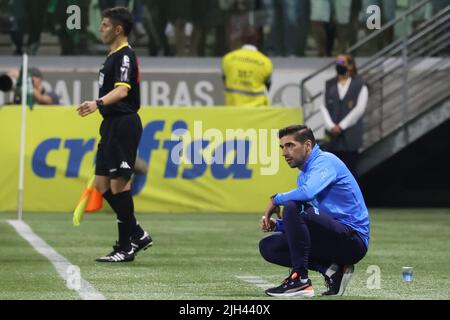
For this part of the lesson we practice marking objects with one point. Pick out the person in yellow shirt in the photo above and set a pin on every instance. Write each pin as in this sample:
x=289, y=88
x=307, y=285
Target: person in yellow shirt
x=247, y=74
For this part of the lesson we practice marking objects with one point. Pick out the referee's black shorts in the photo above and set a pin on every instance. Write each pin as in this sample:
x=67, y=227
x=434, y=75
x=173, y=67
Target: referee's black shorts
x=117, y=149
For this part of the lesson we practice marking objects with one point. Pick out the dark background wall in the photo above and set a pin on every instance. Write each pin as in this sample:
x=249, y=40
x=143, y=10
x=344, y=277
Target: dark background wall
x=419, y=175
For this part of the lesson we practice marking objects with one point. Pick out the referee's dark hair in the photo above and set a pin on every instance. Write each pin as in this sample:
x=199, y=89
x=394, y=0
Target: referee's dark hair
x=300, y=132
x=120, y=16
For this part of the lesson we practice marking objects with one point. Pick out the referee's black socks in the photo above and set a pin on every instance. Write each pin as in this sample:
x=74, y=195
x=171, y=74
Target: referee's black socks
x=123, y=206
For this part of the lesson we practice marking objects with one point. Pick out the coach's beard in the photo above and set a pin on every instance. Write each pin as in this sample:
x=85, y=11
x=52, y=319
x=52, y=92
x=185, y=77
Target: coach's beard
x=295, y=163
x=299, y=164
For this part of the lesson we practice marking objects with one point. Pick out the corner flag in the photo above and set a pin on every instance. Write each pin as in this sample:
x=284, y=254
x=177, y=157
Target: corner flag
x=29, y=89
x=91, y=200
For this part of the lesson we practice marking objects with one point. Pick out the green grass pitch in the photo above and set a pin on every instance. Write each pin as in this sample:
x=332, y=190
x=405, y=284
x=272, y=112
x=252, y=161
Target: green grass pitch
x=201, y=256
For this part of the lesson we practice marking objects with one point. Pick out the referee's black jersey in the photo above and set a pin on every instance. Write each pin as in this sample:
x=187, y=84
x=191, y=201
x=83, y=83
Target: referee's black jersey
x=120, y=68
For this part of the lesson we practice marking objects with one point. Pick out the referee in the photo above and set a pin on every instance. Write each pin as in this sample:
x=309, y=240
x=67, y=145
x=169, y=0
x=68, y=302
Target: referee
x=120, y=132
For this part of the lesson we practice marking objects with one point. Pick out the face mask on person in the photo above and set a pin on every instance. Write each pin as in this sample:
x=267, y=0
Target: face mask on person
x=341, y=69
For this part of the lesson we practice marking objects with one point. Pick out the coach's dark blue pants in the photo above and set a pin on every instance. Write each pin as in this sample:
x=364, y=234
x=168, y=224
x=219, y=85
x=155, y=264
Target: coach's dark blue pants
x=311, y=241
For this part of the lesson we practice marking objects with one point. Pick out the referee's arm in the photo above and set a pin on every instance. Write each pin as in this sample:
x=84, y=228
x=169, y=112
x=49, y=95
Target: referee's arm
x=118, y=93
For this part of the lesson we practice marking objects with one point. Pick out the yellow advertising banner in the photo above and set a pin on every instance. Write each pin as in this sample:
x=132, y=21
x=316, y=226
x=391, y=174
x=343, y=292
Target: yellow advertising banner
x=213, y=159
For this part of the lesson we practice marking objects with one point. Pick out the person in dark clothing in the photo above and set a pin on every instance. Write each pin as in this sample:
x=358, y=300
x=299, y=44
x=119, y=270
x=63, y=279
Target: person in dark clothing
x=120, y=132
x=40, y=96
x=28, y=19
x=345, y=102
x=156, y=27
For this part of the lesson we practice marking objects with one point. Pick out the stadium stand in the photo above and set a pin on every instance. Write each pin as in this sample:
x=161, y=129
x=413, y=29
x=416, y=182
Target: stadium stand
x=408, y=81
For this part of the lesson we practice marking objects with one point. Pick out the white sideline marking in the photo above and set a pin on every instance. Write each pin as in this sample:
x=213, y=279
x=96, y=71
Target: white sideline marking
x=257, y=281
x=86, y=291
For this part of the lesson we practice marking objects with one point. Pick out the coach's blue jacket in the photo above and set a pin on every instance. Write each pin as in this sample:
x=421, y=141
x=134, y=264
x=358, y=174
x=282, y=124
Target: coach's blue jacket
x=328, y=185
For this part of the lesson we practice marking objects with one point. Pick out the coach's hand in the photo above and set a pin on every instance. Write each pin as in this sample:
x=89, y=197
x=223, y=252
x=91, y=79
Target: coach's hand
x=270, y=210
x=87, y=108
x=272, y=224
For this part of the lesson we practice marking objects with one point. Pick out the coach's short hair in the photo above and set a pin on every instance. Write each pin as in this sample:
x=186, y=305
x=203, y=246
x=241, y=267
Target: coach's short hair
x=120, y=16
x=300, y=132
